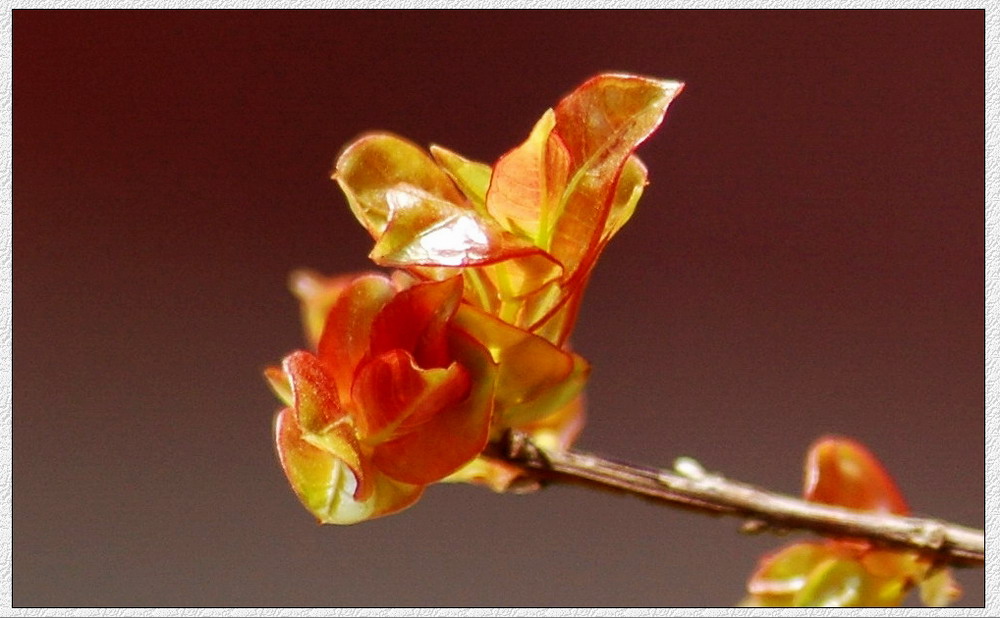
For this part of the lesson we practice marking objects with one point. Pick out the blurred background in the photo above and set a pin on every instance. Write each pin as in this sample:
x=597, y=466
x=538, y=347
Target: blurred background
x=808, y=259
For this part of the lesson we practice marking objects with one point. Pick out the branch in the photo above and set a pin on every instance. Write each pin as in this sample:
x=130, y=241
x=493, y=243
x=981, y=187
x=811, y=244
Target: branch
x=690, y=486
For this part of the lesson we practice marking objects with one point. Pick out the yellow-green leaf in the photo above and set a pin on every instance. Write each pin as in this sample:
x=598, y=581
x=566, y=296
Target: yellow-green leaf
x=940, y=589
x=379, y=162
x=472, y=177
x=536, y=377
x=787, y=570
x=832, y=583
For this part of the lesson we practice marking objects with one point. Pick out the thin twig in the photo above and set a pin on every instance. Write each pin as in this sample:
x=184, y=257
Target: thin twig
x=689, y=486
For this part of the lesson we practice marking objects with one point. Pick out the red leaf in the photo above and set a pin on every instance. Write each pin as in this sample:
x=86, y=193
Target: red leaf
x=842, y=472
x=393, y=396
x=415, y=321
x=452, y=436
x=347, y=333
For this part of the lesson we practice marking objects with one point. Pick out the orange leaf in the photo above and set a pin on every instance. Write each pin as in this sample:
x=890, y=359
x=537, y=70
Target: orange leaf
x=314, y=395
x=842, y=472
x=601, y=123
x=528, y=182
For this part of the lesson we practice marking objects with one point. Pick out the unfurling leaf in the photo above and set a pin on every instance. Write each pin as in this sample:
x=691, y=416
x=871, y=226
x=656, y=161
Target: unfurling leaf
x=526, y=233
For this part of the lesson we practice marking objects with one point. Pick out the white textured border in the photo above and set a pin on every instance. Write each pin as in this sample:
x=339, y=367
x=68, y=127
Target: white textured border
x=992, y=332
x=433, y=612
x=6, y=326
x=992, y=290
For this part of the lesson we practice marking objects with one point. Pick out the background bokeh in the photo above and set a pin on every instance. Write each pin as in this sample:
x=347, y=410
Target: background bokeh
x=809, y=258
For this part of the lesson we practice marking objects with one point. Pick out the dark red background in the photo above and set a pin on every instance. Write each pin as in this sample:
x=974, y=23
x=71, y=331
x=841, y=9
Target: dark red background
x=808, y=259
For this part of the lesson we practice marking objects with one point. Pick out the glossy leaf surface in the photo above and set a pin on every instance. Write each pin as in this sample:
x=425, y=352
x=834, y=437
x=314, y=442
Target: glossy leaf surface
x=380, y=162
x=424, y=230
x=525, y=233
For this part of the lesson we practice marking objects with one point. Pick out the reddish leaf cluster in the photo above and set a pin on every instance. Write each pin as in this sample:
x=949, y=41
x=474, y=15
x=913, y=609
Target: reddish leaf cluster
x=412, y=374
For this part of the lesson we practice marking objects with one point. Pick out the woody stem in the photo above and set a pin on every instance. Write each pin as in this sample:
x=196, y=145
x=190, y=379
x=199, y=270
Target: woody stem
x=689, y=486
